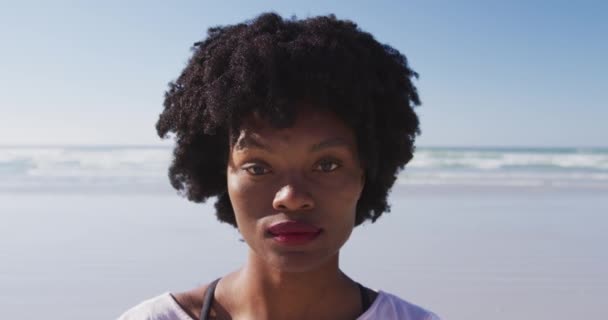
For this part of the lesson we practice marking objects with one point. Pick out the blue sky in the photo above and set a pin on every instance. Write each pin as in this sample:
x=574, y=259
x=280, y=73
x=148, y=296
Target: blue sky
x=492, y=73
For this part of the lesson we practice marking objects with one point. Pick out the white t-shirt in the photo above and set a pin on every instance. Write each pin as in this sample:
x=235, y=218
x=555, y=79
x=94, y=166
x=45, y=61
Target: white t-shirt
x=386, y=307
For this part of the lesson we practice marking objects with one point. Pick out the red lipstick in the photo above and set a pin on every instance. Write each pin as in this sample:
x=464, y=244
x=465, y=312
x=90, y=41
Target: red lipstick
x=294, y=232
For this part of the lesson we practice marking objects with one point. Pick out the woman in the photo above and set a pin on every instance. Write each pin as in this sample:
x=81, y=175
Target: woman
x=299, y=128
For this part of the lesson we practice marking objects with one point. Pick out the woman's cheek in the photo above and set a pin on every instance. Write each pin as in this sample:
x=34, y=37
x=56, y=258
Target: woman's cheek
x=249, y=195
x=347, y=182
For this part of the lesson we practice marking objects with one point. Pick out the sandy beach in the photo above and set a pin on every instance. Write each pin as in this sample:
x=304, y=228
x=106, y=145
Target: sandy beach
x=481, y=253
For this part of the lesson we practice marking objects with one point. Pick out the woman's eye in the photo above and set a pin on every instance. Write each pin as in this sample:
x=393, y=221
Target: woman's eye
x=256, y=170
x=327, y=166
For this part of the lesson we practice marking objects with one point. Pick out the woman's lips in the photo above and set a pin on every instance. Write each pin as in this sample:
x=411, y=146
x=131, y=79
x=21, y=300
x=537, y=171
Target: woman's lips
x=294, y=232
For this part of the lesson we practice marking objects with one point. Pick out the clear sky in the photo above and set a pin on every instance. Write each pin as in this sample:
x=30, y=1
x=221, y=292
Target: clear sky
x=492, y=73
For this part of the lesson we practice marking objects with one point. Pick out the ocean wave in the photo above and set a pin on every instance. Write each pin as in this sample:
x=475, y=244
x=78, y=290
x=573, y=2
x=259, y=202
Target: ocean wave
x=539, y=160
x=145, y=168
x=82, y=162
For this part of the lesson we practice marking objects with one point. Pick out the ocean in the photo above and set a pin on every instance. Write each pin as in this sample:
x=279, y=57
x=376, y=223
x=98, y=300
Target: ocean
x=474, y=233
x=143, y=169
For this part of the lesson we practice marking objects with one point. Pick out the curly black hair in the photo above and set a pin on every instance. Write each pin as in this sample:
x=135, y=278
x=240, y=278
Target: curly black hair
x=268, y=66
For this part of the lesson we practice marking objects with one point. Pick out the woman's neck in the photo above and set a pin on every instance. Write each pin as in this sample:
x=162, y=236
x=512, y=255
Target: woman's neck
x=264, y=292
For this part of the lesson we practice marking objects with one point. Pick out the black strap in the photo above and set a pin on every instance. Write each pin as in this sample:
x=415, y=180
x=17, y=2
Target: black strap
x=365, y=303
x=208, y=302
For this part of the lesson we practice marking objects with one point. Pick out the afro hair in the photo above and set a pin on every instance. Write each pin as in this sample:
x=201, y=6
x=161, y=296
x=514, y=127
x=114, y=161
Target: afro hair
x=268, y=66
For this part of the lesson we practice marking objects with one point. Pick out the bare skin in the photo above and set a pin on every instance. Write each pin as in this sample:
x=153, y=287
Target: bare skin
x=249, y=301
x=309, y=172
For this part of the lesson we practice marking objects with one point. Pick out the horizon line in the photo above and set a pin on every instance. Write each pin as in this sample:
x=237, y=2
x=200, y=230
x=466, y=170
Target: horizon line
x=170, y=145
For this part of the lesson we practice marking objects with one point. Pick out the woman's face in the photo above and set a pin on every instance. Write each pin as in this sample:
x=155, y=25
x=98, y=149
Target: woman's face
x=295, y=190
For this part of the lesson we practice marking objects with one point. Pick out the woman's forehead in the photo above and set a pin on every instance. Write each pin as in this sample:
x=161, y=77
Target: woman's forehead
x=310, y=125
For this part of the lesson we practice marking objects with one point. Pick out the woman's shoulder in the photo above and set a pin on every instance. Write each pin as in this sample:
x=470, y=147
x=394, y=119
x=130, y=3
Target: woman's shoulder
x=167, y=306
x=161, y=307
x=389, y=306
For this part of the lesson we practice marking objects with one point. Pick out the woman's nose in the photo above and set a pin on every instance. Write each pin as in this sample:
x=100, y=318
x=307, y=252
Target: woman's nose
x=293, y=197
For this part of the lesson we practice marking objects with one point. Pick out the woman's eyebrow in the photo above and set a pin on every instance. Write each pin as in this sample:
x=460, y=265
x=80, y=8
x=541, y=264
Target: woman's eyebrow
x=250, y=142
x=330, y=143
